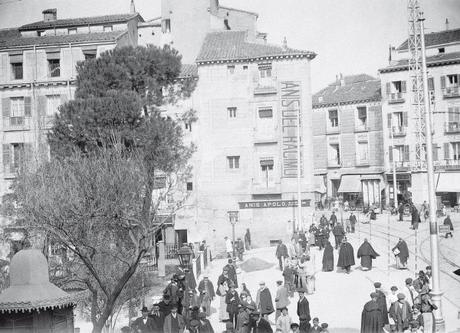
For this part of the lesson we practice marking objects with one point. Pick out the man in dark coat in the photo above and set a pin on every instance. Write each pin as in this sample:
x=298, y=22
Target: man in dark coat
x=259, y=324
x=230, y=267
x=333, y=220
x=323, y=221
x=401, y=252
x=205, y=324
x=415, y=218
x=264, y=300
x=371, y=317
x=281, y=253
x=366, y=252
x=328, y=258
x=232, y=300
x=143, y=324
x=247, y=239
x=206, y=285
x=353, y=221
x=157, y=319
x=401, y=211
x=303, y=311
x=400, y=312
x=448, y=222
x=323, y=236
x=338, y=233
x=165, y=305
x=346, y=256
x=382, y=302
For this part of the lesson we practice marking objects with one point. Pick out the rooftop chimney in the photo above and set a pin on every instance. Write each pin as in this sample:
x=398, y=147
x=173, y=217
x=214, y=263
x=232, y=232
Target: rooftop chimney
x=391, y=55
x=49, y=15
x=132, y=7
x=447, y=24
x=285, y=47
x=214, y=7
x=342, y=80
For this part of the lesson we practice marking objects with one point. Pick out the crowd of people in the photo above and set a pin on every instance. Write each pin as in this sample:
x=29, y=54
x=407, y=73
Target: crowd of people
x=408, y=309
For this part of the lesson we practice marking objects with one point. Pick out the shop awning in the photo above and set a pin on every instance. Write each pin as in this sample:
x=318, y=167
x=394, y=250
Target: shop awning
x=372, y=177
x=350, y=184
x=318, y=184
x=448, y=182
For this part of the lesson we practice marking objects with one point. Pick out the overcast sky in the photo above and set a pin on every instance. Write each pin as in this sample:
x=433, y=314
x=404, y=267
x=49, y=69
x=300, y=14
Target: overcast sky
x=349, y=36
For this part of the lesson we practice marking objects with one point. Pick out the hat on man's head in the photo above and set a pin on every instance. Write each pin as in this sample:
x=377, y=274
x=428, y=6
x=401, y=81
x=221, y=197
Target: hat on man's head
x=374, y=295
x=301, y=290
x=401, y=296
x=202, y=315
x=324, y=325
x=262, y=283
x=230, y=261
x=428, y=267
x=377, y=284
x=394, y=288
x=250, y=307
x=279, y=282
x=144, y=309
x=409, y=281
x=294, y=325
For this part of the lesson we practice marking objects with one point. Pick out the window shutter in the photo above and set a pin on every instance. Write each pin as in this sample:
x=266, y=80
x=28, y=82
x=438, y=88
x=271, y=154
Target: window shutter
x=430, y=83
x=446, y=151
x=435, y=152
x=404, y=119
x=388, y=88
x=6, y=157
x=403, y=86
x=458, y=80
x=406, y=153
x=389, y=115
x=28, y=152
x=27, y=106
x=390, y=153
x=6, y=106
x=443, y=82
x=4, y=67
x=42, y=105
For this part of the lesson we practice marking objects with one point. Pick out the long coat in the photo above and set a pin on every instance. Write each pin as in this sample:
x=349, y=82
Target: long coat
x=208, y=287
x=403, y=251
x=264, y=301
x=401, y=314
x=366, y=252
x=371, y=318
x=281, y=251
x=232, y=300
x=382, y=302
x=167, y=325
x=328, y=258
x=282, y=297
x=261, y=326
x=346, y=255
x=232, y=274
x=139, y=325
x=157, y=321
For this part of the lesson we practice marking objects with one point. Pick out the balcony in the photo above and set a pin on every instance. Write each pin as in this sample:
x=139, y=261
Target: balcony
x=395, y=98
x=452, y=127
x=267, y=134
x=334, y=163
x=451, y=92
x=265, y=86
x=398, y=131
x=362, y=161
x=401, y=165
x=260, y=186
x=16, y=123
x=332, y=129
x=361, y=127
x=449, y=164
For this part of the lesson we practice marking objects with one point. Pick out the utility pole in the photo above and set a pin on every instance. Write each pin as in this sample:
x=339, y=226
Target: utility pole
x=436, y=292
x=299, y=199
x=395, y=185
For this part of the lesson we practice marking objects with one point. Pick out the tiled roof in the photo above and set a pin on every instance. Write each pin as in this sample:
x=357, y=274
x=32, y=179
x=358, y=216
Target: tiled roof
x=61, y=39
x=437, y=38
x=155, y=22
x=188, y=71
x=359, y=88
x=43, y=304
x=80, y=21
x=9, y=33
x=441, y=59
x=228, y=46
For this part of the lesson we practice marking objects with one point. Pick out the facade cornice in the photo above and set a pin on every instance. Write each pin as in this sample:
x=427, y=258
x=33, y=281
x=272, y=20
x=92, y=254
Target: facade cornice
x=309, y=56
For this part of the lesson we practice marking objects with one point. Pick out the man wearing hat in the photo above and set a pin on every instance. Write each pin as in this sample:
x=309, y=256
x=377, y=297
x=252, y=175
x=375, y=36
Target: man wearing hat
x=400, y=312
x=205, y=324
x=382, y=302
x=371, y=317
x=222, y=289
x=346, y=256
x=409, y=291
x=259, y=324
x=207, y=294
x=264, y=300
x=242, y=319
x=230, y=267
x=303, y=311
x=165, y=305
x=157, y=319
x=232, y=300
x=174, y=322
x=295, y=328
x=143, y=324
x=281, y=298
x=324, y=328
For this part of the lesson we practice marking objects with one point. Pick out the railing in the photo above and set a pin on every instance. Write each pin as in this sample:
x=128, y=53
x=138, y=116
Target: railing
x=397, y=97
x=265, y=86
x=361, y=127
x=171, y=251
x=450, y=92
x=401, y=165
x=452, y=127
x=16, y=123
x=448, y=164
x=399, y=130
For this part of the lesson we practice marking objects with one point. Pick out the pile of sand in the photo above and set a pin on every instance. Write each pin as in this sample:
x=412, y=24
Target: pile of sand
x=255, y=264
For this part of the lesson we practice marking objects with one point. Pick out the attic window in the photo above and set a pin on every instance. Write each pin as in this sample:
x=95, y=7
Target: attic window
x=231, y=69
x=265, y=70
x=72, y=31
x=108, y=28
x=442, y=50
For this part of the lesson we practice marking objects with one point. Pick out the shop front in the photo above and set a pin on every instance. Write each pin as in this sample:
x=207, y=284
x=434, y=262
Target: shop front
x=351, y=190
x=448, y=188
x=403, y=187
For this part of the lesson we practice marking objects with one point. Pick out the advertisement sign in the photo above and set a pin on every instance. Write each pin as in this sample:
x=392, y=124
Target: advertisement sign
x=272, y=204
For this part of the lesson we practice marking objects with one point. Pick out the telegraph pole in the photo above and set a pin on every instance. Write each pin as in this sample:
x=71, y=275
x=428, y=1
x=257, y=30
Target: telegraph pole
x=436, y=292
x=395, y=185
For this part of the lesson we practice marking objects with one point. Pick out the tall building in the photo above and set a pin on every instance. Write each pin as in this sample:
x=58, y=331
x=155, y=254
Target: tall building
x=348, y=140
x=443, y=62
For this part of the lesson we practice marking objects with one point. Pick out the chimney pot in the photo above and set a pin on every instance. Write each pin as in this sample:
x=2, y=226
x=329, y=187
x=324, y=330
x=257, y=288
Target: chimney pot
x=285, y=43
x=447, y=24
x=49, y=15
x=342, y=80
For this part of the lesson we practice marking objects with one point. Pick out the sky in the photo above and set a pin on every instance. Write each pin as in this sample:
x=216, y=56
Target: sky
x=349, y=36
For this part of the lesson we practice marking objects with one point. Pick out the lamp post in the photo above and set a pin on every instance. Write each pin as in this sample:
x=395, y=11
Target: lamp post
x=185, y=256
x=233, y=218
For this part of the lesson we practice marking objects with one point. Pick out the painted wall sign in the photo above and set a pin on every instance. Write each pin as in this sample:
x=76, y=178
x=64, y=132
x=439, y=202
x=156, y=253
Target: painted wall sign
x=291, y=108
x=272, y=204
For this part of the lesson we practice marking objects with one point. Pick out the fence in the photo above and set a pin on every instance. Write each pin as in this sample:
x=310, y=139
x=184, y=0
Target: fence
x=198, y=264
x=171, y=251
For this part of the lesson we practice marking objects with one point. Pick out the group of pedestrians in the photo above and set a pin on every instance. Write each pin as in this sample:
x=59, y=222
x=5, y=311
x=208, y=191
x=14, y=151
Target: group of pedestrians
x=408, y=309
x=239, y=246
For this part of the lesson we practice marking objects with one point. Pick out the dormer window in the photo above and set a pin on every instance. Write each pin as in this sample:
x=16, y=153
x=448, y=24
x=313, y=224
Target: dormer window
x=442, y=50
x=72, y=31
x=265, y=70
x=108, y=28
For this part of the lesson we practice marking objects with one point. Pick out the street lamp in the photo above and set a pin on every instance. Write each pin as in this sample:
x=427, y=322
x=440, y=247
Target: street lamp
x=185, y=254
x=233, y=218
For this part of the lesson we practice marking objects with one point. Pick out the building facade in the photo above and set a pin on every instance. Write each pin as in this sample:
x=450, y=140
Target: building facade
x=400, y=130
x=348, y=141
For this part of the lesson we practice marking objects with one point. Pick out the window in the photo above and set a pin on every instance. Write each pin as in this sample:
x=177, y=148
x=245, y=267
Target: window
x=397, y=119
x=363, y=152
x=17, y=107
x=245, y=67
x=334, y=154
x=72, y=31
x=18, y=154
x=17, y=70
x=452, y=80
x=188, y=126
x=108, y=28
x=396, y=88
x=54, y=67
x=441, y=50
x=166, y=26
x=266, y=112
x=40, y=33
x=400, y=153
x=231, y=69
x=189, y=186
x=453, y=118
x=266, y=167
x=333, y=118
x=265, y=70
x=362, y=116
x=52, y=104
x=231, y=112
x=233, y=162
x=90, y=53
x=455, y=150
